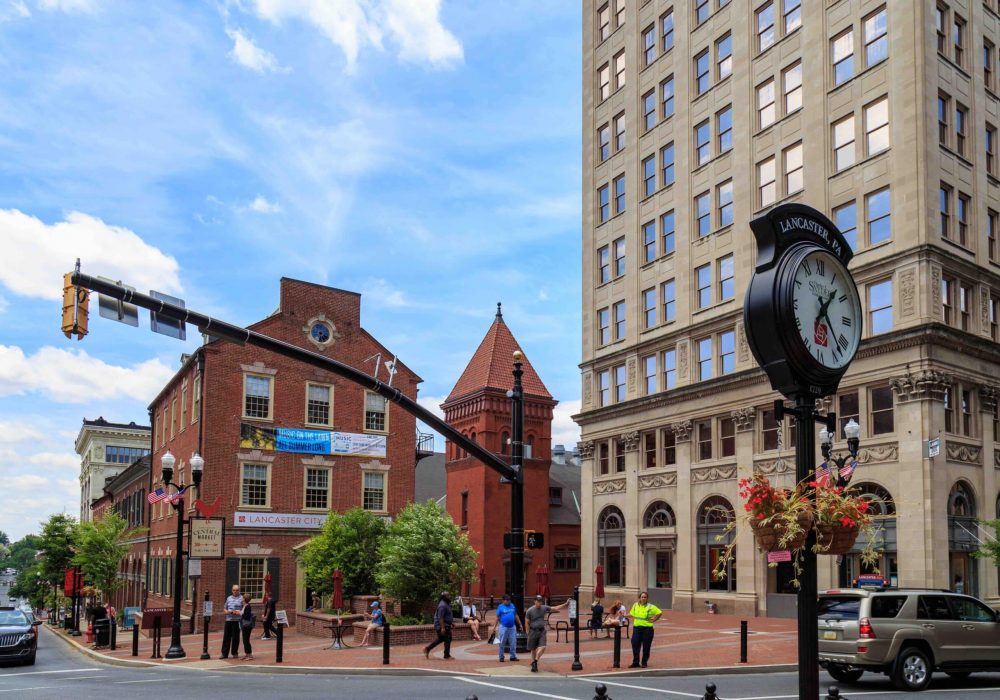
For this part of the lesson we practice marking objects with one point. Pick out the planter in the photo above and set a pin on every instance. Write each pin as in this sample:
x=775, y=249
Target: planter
x=835, y=539
x=769, y=536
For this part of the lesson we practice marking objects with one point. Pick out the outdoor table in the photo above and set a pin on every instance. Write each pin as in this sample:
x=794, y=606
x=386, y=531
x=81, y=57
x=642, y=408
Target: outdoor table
x=337, y=634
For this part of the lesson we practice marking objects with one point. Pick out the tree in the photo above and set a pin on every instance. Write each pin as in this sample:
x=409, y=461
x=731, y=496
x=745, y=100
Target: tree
x=29, y=584
x=990, y=547
x=348, y=542
x=424, y=554
x=57, y=542
x=100, y=547
x=21, y=554
x=3, y=538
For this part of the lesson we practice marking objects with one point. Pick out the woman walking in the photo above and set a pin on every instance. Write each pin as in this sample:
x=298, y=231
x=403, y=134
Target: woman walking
x=643, y=614
x=246, y=627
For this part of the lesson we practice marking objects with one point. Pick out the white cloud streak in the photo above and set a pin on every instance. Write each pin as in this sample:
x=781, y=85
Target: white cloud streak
x=262, y=206
x=564, y=430
x=247, y=54
x=68, y=6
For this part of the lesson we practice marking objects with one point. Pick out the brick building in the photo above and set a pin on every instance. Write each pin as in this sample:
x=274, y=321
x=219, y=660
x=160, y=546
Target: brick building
x=230, y=404
x=479, y=408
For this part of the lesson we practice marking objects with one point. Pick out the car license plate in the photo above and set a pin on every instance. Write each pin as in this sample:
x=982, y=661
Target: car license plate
x=829, y=635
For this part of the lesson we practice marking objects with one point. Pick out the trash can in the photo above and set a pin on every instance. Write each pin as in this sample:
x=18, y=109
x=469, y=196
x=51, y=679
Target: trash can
x=102, y=632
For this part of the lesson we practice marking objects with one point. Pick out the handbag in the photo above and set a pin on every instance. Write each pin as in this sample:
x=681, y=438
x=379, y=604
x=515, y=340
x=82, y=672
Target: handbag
x=247, y=623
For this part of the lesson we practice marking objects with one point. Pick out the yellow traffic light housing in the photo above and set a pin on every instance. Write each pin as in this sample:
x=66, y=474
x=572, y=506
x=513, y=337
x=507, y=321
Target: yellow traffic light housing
x=76, y=305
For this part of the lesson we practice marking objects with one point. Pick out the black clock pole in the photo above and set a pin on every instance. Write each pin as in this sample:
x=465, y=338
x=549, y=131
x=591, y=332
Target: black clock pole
x=805, y=456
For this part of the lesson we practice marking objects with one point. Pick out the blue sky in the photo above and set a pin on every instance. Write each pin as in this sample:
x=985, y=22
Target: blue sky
x=424, y=153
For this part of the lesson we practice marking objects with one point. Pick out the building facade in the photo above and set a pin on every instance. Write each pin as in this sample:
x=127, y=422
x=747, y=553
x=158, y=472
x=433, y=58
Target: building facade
x=106, y=449
x=697, y=117
x=229, y=404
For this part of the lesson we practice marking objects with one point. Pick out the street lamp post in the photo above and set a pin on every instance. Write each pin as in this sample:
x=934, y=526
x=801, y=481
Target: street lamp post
x=516, y=395
x=852, y=431
x=176, y=651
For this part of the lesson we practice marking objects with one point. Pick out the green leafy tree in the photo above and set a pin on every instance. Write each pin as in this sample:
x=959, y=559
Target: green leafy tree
x=424, y=554
x=3, y=538
x=990, y=547
x=100, y=547
x=21, y=554
x=29, y=584
x=349, y=542
x=56, y=542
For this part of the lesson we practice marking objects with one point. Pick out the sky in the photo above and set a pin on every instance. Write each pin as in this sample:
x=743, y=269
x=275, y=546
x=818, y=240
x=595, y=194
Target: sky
x=425, y=153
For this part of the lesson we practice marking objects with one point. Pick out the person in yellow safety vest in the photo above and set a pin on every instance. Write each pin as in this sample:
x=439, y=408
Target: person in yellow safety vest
x=643, y=614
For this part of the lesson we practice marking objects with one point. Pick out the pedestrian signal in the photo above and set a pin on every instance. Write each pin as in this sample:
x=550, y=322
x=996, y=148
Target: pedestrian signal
x=76, y=304
x=534, y=540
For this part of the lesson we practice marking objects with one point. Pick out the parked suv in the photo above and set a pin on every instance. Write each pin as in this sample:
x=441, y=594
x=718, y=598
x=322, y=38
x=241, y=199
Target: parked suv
x=18, y=636
x=907, y=634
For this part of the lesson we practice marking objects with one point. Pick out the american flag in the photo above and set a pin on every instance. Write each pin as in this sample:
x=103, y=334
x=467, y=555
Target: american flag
x=176, y=498
x=823, y=474
x=156, y=496
x=847, y=471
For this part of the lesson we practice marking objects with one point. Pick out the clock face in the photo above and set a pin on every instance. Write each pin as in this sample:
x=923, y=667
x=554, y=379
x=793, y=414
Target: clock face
x=320, y=332
x=826, y=309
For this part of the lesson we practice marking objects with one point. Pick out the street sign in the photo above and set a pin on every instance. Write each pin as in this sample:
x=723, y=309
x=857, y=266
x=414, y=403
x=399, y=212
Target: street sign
x=207, y=609
x=206, y=538
x=194, y=568
x=281, y=617
x=163, y=325
x=123, y=312
x=933, y=447
x=572, y=608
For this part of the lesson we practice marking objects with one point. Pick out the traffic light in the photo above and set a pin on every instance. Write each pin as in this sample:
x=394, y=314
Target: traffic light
x=76, y=301
x=534, y=540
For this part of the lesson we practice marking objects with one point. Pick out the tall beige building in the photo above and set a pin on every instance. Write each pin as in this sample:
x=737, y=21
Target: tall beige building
x=697, y=117
x=106, y=450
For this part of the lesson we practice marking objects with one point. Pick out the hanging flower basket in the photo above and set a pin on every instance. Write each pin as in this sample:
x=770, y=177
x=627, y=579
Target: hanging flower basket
x=835, y=539
x=776, y=534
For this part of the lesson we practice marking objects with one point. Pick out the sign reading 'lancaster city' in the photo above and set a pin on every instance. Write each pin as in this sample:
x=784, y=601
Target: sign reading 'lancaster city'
x=311, y=521
x=315, y=442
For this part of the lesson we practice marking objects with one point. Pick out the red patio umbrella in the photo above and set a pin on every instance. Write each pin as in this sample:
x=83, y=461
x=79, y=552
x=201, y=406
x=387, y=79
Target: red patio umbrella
x=267, y=586
x=538, y=581
x=545, y=582
x=482, y=581
x=599, y=582
x=338, y=590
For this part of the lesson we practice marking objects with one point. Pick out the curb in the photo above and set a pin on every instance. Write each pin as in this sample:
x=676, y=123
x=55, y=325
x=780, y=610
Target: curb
x=98, y=656
x=694, y=671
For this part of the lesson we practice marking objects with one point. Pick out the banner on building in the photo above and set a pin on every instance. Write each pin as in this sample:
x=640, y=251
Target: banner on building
x=206, y=538
x=313, y=442
x=310, y=521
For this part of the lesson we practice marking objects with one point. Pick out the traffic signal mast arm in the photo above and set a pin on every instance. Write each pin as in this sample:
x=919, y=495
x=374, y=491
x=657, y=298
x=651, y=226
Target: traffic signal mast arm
x=244, y=336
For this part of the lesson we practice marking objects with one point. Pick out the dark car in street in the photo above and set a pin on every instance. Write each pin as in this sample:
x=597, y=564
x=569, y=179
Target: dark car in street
x=18, y=636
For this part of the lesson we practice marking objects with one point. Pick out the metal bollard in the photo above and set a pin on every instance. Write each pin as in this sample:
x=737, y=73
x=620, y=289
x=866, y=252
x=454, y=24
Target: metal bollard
x=743, y=641
x=472, y=697
x=385, y=644
x=710, y=692
x=601, y=692
x=114, y=634
x=617, y=662
x=279, y=647
x=135, y=638
x=833, y=693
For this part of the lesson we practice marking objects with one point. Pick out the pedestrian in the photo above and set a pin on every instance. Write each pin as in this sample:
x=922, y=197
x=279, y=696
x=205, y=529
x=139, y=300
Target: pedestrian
x=959, y=586
x=507, y=624
x=616, y=615
x=596, y=617
x=247, y=621
x=377, y=620
x=470, y=616
x=643, y=614
x=112, y=614
x=317, y=603
x=443, y=620
x=269, y=605
x=534, y=620
x=231, y=632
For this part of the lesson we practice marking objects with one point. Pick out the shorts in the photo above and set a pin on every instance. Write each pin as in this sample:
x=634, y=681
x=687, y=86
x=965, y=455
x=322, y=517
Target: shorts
x=536, y=638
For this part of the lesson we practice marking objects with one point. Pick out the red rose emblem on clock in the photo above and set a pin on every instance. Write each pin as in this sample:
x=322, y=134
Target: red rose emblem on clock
x=821, y=334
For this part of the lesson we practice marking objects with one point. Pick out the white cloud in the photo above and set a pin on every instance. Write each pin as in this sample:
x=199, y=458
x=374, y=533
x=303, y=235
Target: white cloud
x=73, y=376
x=4, y=305
x=68, y=5
x=262, y=206
x=12, y=431
x=379, y=292
x=248, y=54
x=35, y=255
x=413, y=25
x=56, y=461
x=564, y=430
x=13, y=9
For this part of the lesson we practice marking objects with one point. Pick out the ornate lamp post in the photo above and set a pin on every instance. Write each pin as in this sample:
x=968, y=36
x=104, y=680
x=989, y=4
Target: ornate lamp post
x=853, y=432
x=167, y=461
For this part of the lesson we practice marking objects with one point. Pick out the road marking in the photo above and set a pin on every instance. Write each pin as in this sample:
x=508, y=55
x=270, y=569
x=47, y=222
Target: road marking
x=66, y=670
x=147, y=680
x=20, y=690
x=77, y=678
x=866, y=693
x=511, y=687
x=640, y=687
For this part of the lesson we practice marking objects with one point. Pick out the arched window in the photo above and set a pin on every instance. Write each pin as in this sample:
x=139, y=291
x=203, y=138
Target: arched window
x=880, y=501
x=961, y=503
x=505, y=443
x=883, y=510
x=962, y=538
x=714, y=514
x=611, y=545
x=529, y=447
x=659, y=514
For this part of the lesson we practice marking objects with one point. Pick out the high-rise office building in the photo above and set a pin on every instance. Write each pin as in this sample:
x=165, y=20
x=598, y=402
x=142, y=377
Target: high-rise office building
x=697, y=117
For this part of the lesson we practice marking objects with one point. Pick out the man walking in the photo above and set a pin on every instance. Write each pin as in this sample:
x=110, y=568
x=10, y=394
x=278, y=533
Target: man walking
x=534, y=618
x=269, y=615
x=443, y=620
x=507, y=624
x=231, y=633
x=643, y=614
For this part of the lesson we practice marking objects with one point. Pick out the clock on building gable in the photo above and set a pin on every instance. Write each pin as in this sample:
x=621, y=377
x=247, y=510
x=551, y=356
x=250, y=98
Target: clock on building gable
x=802, y=311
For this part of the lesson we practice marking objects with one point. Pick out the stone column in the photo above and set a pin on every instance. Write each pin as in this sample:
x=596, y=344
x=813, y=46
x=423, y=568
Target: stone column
x=588, y=526
x=988, y=574
x=751, y=576
x=686, y=560
x=633, y=557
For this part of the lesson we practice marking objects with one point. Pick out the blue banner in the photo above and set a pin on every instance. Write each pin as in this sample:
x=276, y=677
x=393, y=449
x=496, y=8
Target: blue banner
x=314, y=442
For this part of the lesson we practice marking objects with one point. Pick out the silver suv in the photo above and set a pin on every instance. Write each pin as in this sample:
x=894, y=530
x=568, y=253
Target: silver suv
x=907, y=634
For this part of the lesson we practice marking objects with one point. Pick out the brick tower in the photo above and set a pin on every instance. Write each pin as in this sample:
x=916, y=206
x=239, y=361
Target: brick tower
x=479, y=408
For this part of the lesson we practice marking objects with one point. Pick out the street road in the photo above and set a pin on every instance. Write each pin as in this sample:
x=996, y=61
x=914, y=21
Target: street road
x=60, y=672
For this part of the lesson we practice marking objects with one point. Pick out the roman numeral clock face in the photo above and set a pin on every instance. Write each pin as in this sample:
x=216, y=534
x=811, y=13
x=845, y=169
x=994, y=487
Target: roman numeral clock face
x=826, y=310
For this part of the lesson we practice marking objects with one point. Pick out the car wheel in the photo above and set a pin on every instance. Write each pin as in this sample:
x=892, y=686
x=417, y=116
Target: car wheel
x=959, y=675
x=844, y=674
x=912, y=671
x=30, y=661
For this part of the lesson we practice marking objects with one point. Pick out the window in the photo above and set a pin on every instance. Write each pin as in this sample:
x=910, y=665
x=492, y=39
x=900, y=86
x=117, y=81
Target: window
x=649, y=109
x=705, y=359
x=727, y=353
x=667, y=164
x=668, y=296
x=619, y=183
x=669, y=370
x=703, y=214
x=876, y=39
x=846, y=219
x=196, y=399
x=619, y=13
x=603, y=23
x=604, y=390
x=667, y=232
x=727, y=437
x=375, y=413
x=766, y=187
x=465, y=509
x=949, y=410
x=727, y=285
x=964, y=304
x=566, y=558
x=847, y=410
x=373, y=491
x=649, y=241
x=703, y=431
x=843, y=57
x=765, y=104
x=724, y=129
x=603, y=208
x=793, y=168
x=184, y=405
x=944, y=207
x=877, y=126
x=659, y=514
x=947, y=299
x=843, y=143
x=667, y=97
x=724, y=57
x=941, y=24
x=966, y=408
x=877, y=205
x=988, y=57
x=714, y=515
x=619, y=246
x=958, y=37
x=992, y=225
x=649, y=175
x=123, y=455
x=604, y=81
x=603, y=265
x=620, y=132
x=994, y=314
x=317, y=488
x=880, y=307
x=769, y=431
x=703, y=142
x=254, y=486
x=256, y=396
x=667, y=31
x=619, y=377
x=701, y=71
x=251, y=577
x=603, y=326
x=962, y=217
x=724, y=199
x=961, y=117
x=611, y=545
x=943, y=107
x=619, y=320
x=765, y=27
x=603, y=458
x=649, y=307
x=791, y=79
x=881, y=409
x=649, y=44
x=555, y=496
x=619, y=70
x=604, y=142
x=701, y=11
x=317, y=404
x=649, y=365
x=173, y=417
x=619, y=455
x=991, y=149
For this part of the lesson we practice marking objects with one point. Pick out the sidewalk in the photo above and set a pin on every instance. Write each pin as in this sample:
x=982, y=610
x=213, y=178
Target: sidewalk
x=683, y=642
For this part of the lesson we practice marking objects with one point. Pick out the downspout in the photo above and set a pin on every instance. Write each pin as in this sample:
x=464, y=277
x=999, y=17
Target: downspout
x=149, y=511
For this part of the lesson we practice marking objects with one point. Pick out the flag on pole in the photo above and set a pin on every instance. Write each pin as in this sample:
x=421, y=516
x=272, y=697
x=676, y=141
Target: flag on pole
x=176, y=498
x=156, y=496
x=847, y=471
x=823, y=474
